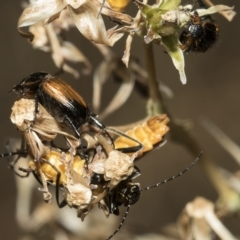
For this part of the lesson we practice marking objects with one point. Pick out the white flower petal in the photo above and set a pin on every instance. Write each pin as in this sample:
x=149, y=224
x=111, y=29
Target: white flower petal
x=71, y=53
x=126, y=54
x=85, y=19
x=119, y=99
x=213, y=9
x=36, y=12
x=76, y=3
x=175, y=52
x=39, y=11
x=113, y=36
x=100, y=76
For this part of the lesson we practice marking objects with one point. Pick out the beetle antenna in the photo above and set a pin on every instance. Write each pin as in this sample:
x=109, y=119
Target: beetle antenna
x=176, y=176
x=121, y=223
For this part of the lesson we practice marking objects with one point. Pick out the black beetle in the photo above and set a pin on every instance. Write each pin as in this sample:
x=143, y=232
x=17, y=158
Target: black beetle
x=59, y=99
x=200, y=34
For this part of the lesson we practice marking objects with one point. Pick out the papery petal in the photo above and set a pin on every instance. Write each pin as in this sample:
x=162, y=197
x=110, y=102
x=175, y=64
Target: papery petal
x=71, y=53
x=213, y=9
x=38, y=11
x=228, y=14
x=113, y=36
x=70, y=70
x=55, y=46
x=76, y=3
x=171, y=45
x=40, y=40
x=57, y=55
x=85, y=19
x=126, y=54
x=135, y=25
x=119, y=99
x=101, y=75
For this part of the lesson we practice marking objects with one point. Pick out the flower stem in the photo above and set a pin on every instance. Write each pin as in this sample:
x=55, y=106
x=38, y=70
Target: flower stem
x=155, y=103
x=180, y=134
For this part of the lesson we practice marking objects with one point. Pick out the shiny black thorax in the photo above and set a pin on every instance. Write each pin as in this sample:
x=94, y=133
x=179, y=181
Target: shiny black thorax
x=126, y=193
x=57, y=97
x=200, y=34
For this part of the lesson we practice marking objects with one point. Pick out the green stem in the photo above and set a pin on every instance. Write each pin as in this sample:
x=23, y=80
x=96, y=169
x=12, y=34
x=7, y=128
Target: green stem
x=155, y=104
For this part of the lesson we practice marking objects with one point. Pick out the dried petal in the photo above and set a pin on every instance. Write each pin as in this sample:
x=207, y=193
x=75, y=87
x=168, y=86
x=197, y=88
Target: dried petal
x=119, y=99
x=71, y=53
x=171, y=45
x=37, y=12
x=76, y=3
x=91, y=27
x=213, y=9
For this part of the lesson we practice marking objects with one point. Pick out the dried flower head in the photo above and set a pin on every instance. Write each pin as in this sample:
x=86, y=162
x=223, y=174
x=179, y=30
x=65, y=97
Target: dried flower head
x=37, y=127
x=49, y=39
x=199, y=221
x=83, y=13
x=118, y=166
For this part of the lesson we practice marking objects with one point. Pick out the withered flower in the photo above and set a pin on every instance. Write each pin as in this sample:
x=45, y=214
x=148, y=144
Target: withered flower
x=199, y=221
x=83, y=13
x=133, y=78
x=38, y=128
x=117, y=166
x=48, y=39
x=160, y=23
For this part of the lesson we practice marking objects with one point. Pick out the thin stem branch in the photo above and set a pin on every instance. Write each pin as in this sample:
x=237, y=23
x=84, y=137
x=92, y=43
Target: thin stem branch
x=155, y=104
x=180, y=134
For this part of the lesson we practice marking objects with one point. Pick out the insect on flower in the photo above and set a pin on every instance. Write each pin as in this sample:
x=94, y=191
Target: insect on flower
x=37, y=131
x=201, y=33
x=59, y=99
x=128, y=193
x=85, y=188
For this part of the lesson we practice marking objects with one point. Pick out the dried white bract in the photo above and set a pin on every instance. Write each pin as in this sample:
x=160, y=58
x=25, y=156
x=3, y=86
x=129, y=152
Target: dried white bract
x=198, y=221
x=37, y=127
x=118, y=166
x=79, y=193
x=83, y=13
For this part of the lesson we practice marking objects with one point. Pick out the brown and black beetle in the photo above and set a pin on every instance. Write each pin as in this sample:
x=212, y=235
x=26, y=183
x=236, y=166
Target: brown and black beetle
x=59, y=99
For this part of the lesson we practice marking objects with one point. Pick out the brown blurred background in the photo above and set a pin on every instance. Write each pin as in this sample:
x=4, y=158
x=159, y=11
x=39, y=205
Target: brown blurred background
x=212, y=90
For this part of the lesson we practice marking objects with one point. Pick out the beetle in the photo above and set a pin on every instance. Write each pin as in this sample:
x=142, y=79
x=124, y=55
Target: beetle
x=201, y=33
x=59, y=99
x=54, y=166
x=128, y=193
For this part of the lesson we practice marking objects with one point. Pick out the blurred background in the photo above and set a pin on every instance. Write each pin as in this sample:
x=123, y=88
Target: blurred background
x=212, y=90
